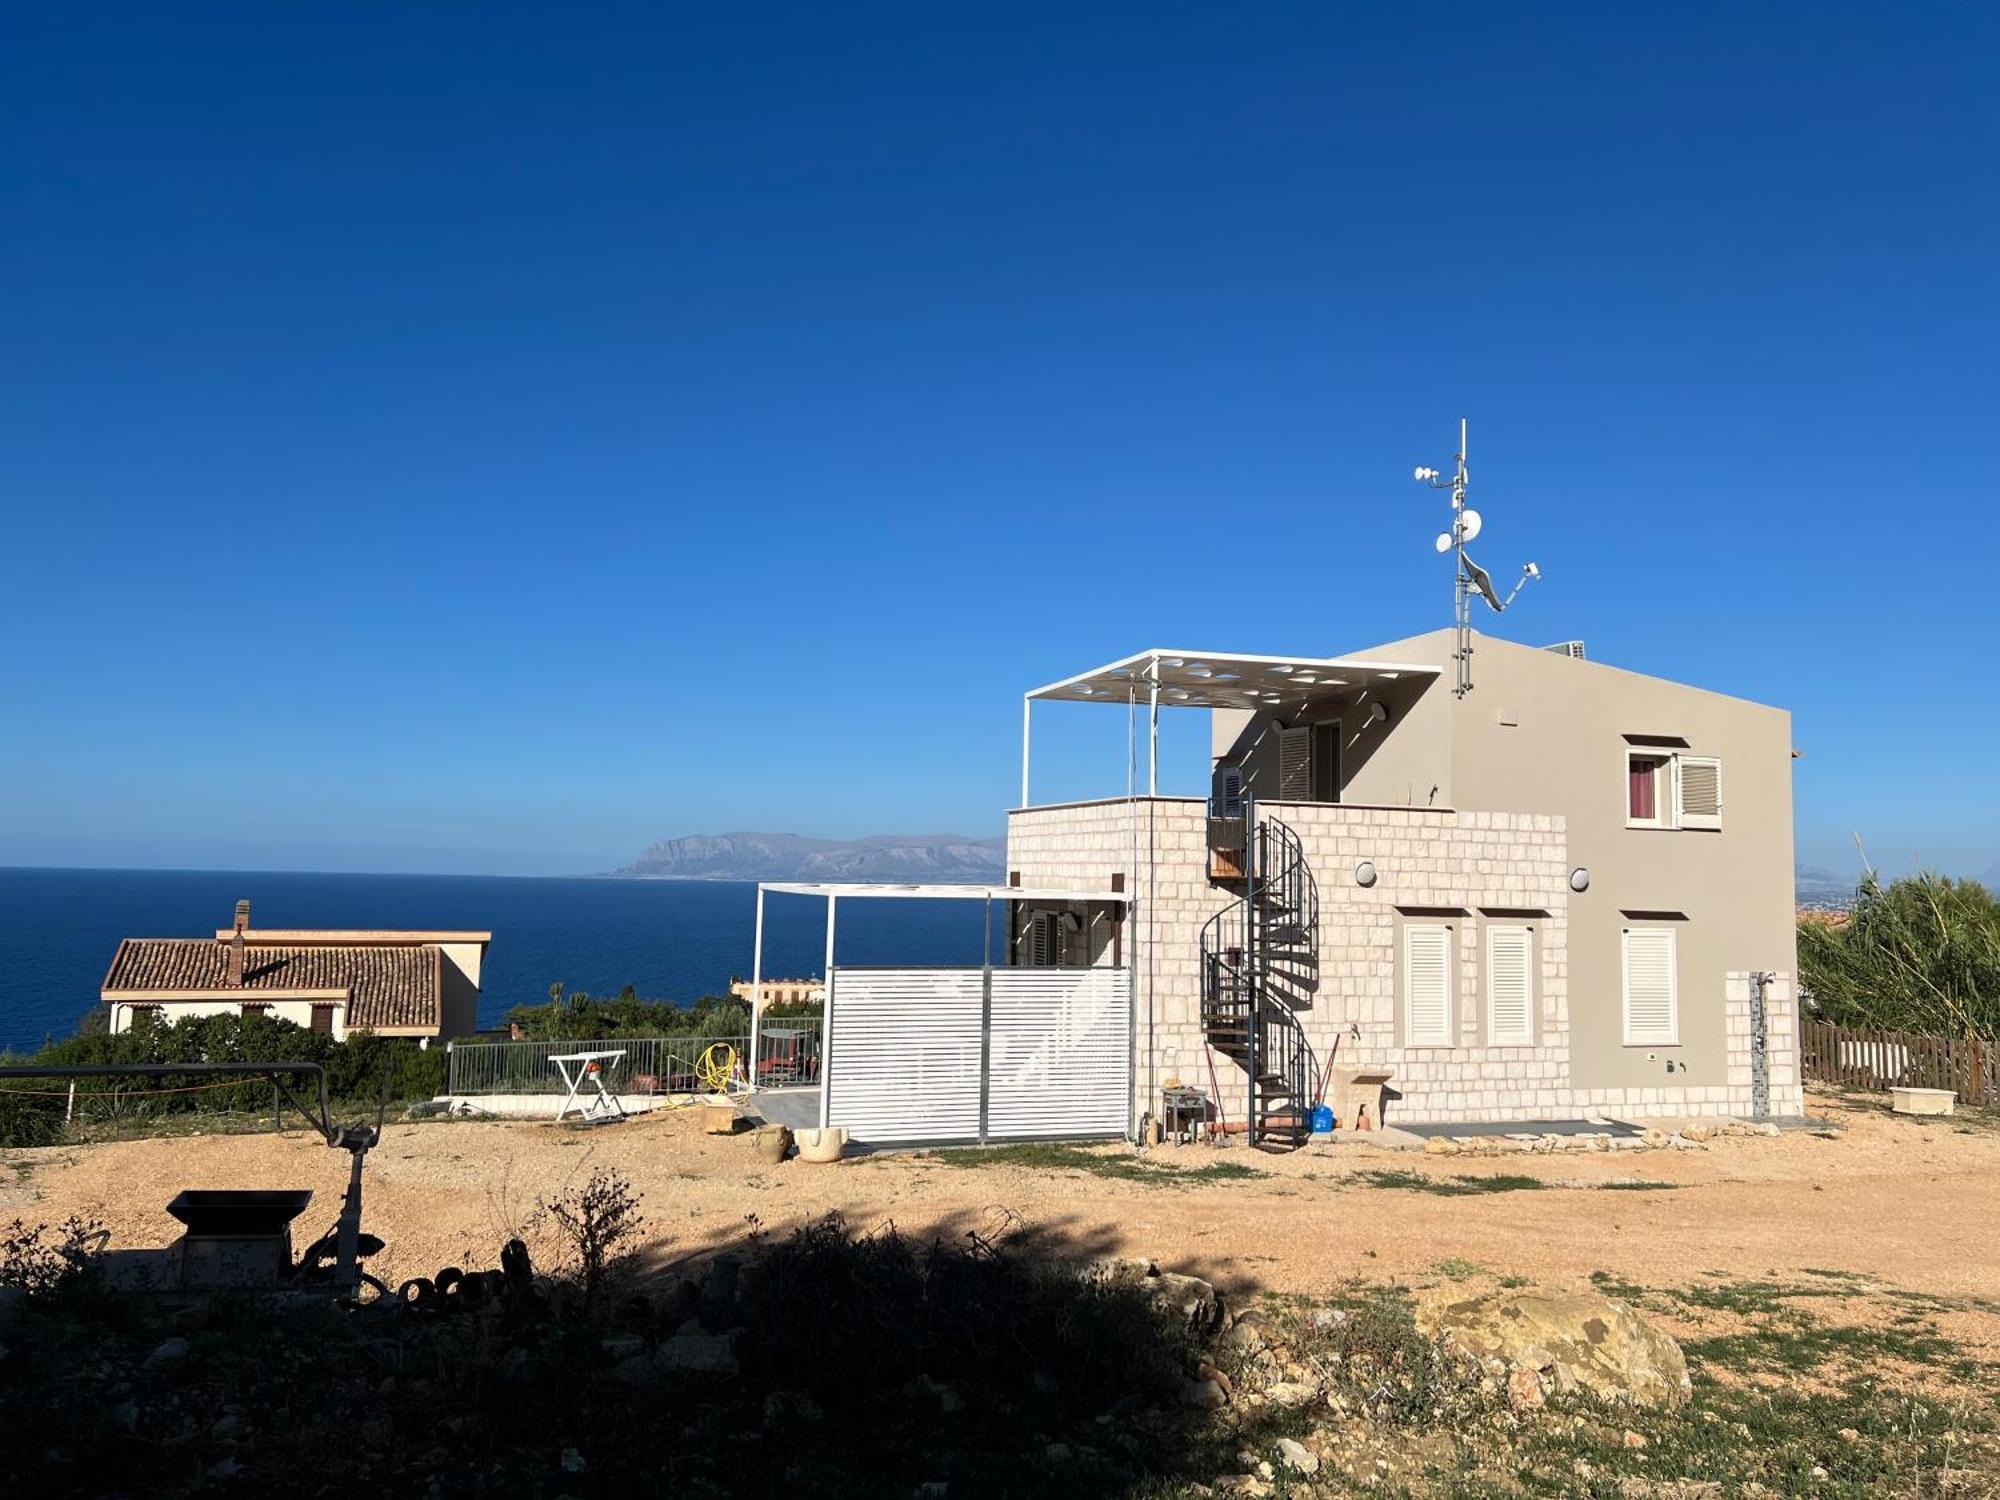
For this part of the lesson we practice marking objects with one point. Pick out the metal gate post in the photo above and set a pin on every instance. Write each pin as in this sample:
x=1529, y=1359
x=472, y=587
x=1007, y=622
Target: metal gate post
x=986, y=1021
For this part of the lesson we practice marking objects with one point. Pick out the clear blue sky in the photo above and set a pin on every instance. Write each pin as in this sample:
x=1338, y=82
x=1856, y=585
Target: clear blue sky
x=453, y=437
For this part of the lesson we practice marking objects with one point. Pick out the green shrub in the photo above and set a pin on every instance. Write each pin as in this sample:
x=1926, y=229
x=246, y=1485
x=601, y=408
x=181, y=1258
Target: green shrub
x=354, y=1071
x=29, y=1121
x=577, y=1017
x=1920, y=954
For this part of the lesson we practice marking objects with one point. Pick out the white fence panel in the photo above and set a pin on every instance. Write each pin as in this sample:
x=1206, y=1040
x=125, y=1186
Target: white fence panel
x=902, y=1054
x=1061, y=1053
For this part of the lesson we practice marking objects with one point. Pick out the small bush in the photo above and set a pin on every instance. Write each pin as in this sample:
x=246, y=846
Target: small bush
x=44, y=1261
x=595, y=1220
x=26, y=1120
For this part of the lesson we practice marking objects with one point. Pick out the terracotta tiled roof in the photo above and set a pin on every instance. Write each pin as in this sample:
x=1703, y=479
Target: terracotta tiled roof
x=399, y=985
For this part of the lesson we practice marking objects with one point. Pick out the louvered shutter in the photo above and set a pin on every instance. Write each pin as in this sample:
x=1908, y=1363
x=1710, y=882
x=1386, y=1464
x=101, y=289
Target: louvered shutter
x=1229, y=792
x=1510, y=988
x=1700, y=783
x=1427, y=986
x=1651, y=1003
x=1295, y=765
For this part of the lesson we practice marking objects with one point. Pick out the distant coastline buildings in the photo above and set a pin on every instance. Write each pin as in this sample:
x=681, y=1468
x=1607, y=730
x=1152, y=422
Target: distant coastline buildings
x=782, y=991
x=412, y=984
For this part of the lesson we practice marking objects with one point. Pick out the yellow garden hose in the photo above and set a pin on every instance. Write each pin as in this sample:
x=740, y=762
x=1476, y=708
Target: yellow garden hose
x=717, y=1067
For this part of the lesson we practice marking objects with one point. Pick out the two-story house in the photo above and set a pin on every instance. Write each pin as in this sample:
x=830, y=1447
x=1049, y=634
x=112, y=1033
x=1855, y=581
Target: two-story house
x=1566, y=894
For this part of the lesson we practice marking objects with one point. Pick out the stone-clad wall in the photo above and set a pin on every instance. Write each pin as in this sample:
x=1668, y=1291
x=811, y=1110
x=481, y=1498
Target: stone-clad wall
x=1424, y=858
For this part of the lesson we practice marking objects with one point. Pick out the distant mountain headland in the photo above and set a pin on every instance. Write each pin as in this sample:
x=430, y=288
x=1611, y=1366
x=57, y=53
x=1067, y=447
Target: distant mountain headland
x=943, y=858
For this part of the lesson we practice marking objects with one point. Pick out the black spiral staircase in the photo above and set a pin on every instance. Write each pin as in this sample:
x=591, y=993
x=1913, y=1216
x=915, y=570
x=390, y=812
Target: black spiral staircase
x=1260, y=967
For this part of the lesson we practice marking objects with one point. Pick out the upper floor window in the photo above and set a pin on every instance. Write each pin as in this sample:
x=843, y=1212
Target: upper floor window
x=1666, y=789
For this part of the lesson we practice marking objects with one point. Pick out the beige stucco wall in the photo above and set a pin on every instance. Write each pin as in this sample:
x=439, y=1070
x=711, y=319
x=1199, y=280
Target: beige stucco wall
x=1542, y=733
x=461, y=988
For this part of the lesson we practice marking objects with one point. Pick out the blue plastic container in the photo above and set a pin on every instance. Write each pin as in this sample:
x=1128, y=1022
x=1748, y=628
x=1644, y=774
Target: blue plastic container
x=1322, y=1119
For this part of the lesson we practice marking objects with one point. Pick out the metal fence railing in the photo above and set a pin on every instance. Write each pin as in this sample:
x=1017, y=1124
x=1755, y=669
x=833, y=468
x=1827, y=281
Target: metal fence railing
x=788, y=1054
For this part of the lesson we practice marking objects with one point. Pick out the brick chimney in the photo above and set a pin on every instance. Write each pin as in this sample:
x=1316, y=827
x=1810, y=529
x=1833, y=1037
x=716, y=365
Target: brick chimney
x=233, y=974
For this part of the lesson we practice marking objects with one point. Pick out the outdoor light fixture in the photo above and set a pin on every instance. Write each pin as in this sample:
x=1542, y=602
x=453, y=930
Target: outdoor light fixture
x=1377, y=712
x=1579, y=879
x=1364, y=873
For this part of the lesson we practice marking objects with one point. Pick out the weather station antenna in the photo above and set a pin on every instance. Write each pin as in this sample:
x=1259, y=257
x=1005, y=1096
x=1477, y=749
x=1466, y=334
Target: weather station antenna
x=1470, y=577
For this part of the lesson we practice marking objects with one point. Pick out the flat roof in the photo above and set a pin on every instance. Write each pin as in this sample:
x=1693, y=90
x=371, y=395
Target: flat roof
x=873, y=890
x=1226, y=679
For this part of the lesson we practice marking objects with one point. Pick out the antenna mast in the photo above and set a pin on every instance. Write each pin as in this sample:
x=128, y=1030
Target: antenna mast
x=1467, y=575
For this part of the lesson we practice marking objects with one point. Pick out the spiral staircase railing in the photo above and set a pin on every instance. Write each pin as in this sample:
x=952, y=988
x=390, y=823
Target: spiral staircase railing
x=1259, y=968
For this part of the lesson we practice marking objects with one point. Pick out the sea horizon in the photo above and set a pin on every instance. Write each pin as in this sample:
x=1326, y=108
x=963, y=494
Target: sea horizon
x=670, y=938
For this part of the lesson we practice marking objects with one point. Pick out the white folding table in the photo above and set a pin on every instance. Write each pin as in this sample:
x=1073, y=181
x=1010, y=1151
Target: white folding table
x=579, y=1068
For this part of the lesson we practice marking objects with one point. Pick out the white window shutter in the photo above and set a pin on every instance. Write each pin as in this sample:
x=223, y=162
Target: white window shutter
x=1427, y=986
x=1700, y=790
x=1652, y=1009
x=1510, y=987
x=1295, y=765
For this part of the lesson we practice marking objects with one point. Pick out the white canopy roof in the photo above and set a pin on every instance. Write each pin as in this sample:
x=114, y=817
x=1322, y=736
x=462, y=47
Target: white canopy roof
x=1223, y=679
x=881, y=891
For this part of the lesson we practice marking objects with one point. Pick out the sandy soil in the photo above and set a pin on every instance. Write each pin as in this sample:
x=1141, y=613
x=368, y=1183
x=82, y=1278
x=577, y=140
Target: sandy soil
x=1912, y=1204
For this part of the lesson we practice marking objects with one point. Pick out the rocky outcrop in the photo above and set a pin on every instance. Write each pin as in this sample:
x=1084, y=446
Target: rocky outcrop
x=1565, y=1341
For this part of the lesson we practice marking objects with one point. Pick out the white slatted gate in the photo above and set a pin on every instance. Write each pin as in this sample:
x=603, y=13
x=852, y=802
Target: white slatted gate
x=1060, y=1060
x=904, y=1051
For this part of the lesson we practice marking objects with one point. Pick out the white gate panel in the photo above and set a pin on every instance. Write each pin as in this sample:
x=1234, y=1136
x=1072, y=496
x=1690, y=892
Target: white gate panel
x=1061, y=1053
x=902, y=1054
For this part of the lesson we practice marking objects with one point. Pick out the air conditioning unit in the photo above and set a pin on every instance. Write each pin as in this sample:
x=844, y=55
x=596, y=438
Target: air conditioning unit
x=1572, y=649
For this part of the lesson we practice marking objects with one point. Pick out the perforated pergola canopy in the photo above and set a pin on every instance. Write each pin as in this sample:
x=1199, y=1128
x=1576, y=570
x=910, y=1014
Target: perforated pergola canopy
x=1222, y=679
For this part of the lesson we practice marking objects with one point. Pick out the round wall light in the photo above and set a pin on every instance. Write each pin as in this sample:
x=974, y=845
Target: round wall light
x=1364, y=873
x=1579, y=879
x=1378, y=712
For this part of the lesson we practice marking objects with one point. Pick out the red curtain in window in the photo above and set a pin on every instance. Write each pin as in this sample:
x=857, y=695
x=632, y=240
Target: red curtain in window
x=1642, y=779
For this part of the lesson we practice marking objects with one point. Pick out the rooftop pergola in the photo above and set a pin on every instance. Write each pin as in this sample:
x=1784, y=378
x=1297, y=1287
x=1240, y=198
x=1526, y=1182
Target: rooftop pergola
x=1160, y=678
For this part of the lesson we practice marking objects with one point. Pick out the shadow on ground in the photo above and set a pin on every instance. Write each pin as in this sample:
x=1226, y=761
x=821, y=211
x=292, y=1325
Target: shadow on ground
x=975, y=1361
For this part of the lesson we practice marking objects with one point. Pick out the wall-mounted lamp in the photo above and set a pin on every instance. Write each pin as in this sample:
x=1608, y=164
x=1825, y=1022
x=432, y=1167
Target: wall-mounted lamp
x=1364, y=873
x=1579, y=879
x=1378, y=712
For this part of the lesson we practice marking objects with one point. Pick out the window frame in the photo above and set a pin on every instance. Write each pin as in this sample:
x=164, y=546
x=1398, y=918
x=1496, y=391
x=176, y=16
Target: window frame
x=1668, y=791
x=1673, y=1029
x=1666, y=796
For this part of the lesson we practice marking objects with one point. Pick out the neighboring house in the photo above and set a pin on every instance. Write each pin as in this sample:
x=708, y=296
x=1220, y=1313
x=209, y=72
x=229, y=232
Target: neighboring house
x=1567, y=893
x=780, y=991
x=420, y=984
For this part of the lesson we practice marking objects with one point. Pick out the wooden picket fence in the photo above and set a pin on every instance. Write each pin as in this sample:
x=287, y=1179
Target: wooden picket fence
x=1862, y=1057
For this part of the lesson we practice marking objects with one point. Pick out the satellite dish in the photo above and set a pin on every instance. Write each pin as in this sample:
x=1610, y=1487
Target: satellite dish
x=1468, y=524
x=1482, y=581
x=1444, y=541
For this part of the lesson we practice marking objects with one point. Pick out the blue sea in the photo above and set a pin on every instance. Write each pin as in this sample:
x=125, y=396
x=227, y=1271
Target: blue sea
x=669, y=939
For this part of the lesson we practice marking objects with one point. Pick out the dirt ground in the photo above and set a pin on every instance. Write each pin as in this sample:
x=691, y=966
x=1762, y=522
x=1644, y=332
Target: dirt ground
x=1911, y=1204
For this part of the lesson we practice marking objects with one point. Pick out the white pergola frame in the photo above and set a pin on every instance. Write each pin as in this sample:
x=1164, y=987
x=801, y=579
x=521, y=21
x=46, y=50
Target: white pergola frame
x=1207, y=679
x=832, y=891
